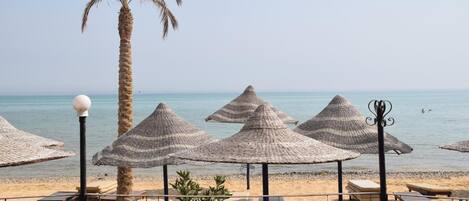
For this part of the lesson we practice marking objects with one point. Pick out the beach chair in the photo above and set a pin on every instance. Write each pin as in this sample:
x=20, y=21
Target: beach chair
x=139, y=195
x=60, y=196
x=99, y=186
x=428, y=189
x=462, y=194
x=363, y=186
x=410, y=196
x=244, y=193
x=274, y=198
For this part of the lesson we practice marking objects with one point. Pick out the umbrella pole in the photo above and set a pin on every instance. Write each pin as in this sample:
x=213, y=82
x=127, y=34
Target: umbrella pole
x=165, y=182
x=265, y=181
x=247, y=177
x=339, y=173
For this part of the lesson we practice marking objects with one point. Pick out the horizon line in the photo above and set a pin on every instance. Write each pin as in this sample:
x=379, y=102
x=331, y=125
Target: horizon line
x=140, y=92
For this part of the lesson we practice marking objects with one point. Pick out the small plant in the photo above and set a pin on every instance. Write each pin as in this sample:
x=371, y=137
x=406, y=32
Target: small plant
x=218, y=190
x=186, y=186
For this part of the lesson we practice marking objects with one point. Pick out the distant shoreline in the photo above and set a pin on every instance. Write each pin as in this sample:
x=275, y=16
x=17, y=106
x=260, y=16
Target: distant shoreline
x=293, y=175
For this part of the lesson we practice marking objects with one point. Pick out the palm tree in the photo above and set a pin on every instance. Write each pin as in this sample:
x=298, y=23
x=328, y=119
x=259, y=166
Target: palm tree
x=125, y=114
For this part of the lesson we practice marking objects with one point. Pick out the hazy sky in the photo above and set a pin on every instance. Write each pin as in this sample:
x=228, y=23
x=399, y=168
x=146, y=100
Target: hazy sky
x=223, y=45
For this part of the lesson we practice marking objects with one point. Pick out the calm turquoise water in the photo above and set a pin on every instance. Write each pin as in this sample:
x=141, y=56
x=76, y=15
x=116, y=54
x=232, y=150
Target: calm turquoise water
x=53, y=117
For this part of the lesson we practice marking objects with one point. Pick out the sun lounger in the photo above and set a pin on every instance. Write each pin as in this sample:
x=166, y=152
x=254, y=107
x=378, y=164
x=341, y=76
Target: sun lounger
x=428, y=189
x=99, y=186
x=276, y=198
x=60, y=196
x=138, y=195
x=460, y=193
x=244, y=193
x=363, y=186
x=410, y=196
x=111, y=197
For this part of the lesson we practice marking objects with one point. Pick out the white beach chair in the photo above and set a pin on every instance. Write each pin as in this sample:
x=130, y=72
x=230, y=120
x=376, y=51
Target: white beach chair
x=363, y=186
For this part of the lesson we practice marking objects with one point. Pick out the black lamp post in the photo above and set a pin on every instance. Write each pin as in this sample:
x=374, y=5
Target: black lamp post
x=380, y=109
x=81, y=104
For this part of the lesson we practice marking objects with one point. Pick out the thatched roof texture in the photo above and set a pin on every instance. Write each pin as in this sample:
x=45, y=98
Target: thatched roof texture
x=239, y=109
x=8, y=130
x=341, y=125
x=266, y=139
x=152, y=141
x=18, y=147
x=462, y=146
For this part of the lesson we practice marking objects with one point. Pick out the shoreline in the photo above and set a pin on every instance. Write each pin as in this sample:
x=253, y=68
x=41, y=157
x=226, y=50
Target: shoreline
x=293, y=175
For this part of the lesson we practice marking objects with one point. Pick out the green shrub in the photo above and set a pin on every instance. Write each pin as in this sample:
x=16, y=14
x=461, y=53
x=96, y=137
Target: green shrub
x=218, y=190
x=186, y=186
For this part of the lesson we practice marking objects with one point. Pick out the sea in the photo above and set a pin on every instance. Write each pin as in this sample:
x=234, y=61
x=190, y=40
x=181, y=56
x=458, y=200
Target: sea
x=54, y=117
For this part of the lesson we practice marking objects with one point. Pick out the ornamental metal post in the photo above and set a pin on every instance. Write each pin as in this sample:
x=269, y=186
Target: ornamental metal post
x=380, y=109
x=82, y=104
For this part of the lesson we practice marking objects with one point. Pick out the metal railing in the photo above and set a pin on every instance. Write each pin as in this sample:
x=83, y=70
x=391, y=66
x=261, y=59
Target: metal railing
x=365, y=196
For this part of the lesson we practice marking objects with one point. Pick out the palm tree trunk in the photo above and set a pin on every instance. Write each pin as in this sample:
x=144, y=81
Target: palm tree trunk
x=125, y=113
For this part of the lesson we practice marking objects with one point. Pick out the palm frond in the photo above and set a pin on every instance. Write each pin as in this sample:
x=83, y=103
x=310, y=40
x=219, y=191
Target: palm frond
x=88, y=7
x=167, y=17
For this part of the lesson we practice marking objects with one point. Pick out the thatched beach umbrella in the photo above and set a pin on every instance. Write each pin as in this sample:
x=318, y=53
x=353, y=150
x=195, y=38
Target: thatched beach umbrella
x=18, y=147
x=8, y=130
x=14, y=152
x=151, y=142
x=239, y=110
x=341, y=125
x=265, y=139
x=462, y=146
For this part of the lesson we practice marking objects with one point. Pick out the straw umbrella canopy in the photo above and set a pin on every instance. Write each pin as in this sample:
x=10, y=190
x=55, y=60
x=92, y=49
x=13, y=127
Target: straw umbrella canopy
x=14, y=153
x=18, y=147
x=462, y=146
x=341, y=125
x=265, y=139
x=8, y=130
x=240, y=108
x=152, y=141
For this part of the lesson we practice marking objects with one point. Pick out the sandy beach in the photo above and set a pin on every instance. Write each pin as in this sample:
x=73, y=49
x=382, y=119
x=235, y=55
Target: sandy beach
x=284, y=184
